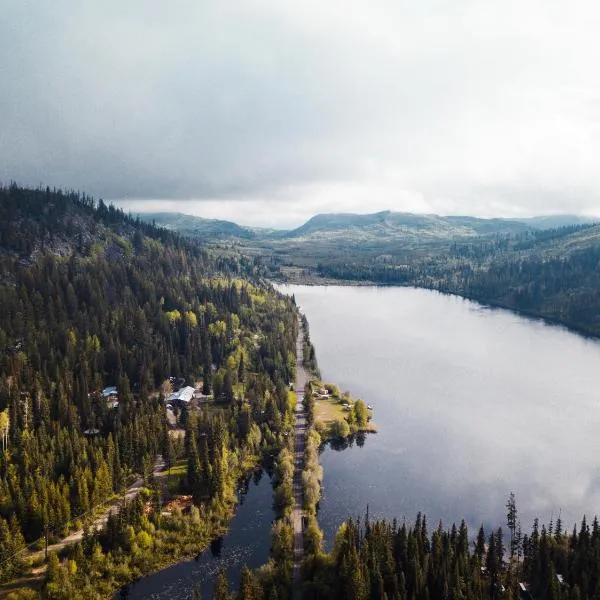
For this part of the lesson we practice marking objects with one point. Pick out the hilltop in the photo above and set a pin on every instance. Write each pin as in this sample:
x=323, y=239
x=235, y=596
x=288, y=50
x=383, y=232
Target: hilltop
x=192, y=226
x=390, y=225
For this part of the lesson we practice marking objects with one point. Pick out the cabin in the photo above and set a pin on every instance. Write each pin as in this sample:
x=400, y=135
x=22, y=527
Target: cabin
x=109, y=391
x=182, y=396
x=524, y=593
x=91, y=431
x=112, y=404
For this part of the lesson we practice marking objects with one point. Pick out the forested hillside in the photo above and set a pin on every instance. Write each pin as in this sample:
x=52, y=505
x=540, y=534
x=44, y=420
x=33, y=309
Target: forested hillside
x=551, y=273
x=544, y=266
x=94, y=299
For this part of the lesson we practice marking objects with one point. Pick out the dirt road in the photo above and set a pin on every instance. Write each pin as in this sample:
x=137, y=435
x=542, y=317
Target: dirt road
x=133, y=490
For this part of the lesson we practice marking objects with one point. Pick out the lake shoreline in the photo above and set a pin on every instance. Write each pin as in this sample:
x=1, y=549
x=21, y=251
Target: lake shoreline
x=431, y=364
x=204, y=546
x=317, y=281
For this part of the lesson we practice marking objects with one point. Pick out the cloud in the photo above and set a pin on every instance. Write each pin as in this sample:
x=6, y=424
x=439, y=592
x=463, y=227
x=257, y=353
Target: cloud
x=469, y=107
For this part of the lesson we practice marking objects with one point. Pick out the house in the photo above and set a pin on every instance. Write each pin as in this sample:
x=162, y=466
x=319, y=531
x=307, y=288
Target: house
x=111, y=390
x=182, y=396
x=524, y=593
x=111, y=404
x=91, y=431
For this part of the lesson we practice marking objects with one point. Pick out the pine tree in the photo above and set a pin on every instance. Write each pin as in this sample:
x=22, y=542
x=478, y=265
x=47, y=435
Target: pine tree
x=511, y=522
x=221, y=591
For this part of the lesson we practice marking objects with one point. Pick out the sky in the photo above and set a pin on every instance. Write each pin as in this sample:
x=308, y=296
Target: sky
x=266, y=112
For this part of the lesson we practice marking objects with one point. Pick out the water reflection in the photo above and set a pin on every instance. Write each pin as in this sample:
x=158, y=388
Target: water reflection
x=470, y=404
x=215, y=548
x=340, y=444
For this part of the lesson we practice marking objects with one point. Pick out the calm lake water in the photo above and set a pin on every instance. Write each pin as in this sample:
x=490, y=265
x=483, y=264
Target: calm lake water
x=471, y=403
x=246, y=543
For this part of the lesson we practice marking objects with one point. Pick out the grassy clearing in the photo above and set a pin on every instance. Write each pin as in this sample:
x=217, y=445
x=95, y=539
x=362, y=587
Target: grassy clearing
x=332, y=407
x=328, y=410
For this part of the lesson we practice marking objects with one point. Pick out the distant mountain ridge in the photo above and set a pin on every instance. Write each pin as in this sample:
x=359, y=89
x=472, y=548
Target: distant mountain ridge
x=198, y=226
x=390, y=223
x=383, y=224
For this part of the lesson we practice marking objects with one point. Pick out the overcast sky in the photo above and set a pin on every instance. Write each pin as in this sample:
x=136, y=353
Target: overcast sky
x=266, y=112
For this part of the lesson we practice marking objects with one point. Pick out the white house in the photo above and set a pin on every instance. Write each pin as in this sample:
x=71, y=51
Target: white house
x=183, y=395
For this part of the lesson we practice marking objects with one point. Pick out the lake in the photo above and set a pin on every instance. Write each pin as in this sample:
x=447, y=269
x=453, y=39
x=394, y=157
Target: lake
x=471, y=403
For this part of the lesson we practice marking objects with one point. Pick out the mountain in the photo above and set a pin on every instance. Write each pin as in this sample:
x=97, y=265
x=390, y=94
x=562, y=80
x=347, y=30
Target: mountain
x=376, y=227
x=388, y=224
x=192, y=226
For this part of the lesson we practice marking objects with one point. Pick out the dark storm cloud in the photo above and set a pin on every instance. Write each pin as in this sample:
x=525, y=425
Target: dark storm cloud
x=464, y=107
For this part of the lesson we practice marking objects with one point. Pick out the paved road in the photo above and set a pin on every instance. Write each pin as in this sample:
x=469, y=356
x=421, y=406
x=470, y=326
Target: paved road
x=299, y=444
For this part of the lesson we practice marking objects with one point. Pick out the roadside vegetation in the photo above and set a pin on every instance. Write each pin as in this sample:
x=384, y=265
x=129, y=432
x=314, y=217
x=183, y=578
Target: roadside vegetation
x=312, y=478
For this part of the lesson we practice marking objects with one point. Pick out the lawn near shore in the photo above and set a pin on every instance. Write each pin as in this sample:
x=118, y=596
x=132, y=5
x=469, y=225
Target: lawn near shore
x=332, y=408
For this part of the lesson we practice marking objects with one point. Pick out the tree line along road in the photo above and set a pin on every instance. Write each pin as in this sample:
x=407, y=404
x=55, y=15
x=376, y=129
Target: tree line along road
x=299, y=445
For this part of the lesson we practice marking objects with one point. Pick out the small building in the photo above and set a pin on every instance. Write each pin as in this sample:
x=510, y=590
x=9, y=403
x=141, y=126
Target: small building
x=91, y=431
x=112, y=404
x=109, y=391
x=182, y=396
x=524, y=593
